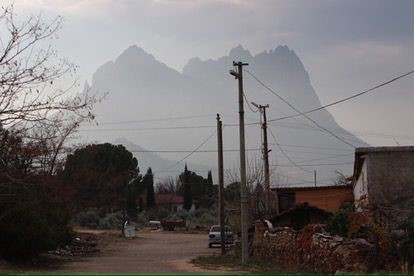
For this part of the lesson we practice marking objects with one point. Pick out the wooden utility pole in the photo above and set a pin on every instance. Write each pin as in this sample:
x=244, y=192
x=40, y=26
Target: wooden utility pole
x=265, y=153
x=266, y=162
x=243, y=187
x=314, y=176
x=221, y=184
x=266, y=159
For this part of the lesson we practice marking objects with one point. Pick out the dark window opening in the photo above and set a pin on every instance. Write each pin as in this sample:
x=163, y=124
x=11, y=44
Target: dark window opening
x=287, y=200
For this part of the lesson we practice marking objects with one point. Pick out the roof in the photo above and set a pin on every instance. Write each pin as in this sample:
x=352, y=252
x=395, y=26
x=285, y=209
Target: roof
x=365, y=150
x=168, y=199
x=303, y=207
x=361, y=152
x=309, y=188
x=297, y=213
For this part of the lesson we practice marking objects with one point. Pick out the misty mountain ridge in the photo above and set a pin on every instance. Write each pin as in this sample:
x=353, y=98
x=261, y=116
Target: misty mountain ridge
x=147, y=159
x=140, y=88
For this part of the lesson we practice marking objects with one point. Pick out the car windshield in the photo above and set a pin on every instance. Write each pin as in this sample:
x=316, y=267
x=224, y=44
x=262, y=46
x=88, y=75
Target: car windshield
x=217, y=229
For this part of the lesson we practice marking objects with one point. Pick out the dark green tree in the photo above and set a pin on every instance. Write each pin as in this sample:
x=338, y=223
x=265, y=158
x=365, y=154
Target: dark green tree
x=33, y=217
x=148, y=182
x=99, y=176
x=187, y=191
x=134, y=189
x=203, y=192
x=209, y=179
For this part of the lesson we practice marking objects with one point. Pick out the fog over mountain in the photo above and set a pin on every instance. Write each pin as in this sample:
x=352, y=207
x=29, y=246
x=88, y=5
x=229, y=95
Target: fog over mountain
x=146, y=96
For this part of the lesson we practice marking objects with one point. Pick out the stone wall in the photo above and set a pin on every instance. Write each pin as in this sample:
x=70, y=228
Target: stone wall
x=310, y=251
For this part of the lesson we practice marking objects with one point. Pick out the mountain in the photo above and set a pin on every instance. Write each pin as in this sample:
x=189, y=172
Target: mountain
x=148, y=159
x=150, y=104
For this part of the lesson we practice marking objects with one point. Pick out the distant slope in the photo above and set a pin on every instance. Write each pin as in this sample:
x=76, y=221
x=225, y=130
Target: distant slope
x=141, y=88
x=158, y=163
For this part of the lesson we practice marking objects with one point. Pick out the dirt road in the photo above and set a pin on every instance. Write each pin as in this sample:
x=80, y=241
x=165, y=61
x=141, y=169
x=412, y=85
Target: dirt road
x=149, y=253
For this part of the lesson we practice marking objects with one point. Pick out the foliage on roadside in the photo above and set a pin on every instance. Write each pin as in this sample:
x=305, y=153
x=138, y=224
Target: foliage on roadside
x=403, y=242
x=98, y=219
x=340, y=222
x=233, y=263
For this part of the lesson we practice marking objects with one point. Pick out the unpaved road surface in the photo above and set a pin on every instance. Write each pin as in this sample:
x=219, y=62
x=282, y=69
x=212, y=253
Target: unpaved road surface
x=148, y=253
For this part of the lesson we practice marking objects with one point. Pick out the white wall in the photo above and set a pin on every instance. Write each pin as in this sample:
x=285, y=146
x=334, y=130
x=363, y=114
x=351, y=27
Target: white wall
x=361, y=188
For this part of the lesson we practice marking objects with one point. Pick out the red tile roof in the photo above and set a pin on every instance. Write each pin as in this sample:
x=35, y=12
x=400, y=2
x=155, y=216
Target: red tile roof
x=161, y=199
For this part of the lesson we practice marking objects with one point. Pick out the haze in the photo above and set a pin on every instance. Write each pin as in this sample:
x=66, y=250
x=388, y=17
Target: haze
x=345, y=47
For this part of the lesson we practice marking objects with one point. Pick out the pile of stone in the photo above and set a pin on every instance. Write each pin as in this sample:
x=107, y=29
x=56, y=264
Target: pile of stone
x=312, y=250
x=82, y=244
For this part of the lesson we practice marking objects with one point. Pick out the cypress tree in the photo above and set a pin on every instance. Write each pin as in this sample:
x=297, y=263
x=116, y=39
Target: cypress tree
x=188, y=197
x=149, y=184
x=209, y=179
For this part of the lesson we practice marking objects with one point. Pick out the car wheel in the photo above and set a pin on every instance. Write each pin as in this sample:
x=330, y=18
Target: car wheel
x=210, y=245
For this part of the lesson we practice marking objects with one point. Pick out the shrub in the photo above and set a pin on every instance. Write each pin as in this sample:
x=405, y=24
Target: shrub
x=27, y=231
x=111, y=221
x=340, y=222
x=97, y=219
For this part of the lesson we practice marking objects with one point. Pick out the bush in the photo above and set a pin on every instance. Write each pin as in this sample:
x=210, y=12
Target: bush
x=89, y=218
x=403, y=241
x=97, y=219
x=28, y=231
x=340, y=222
x=111, y=221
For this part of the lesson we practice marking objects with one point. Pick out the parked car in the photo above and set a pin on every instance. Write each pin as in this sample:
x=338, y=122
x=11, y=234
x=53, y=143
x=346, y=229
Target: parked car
x=214, y=236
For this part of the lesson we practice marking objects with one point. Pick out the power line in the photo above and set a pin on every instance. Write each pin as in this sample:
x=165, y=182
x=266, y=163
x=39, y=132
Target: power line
x=313, y=147
x=185, y=151
x=297, y=110
x=342, y=100
x=314, y=165
x=149, y=128
x=324, y=158
x=383, y=135
x=191, y=153
x=248, y=104
x=157, y=119
x=285, y=154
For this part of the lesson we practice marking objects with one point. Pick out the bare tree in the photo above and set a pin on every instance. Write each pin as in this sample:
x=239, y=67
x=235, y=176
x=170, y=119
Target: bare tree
x=254, y=173
x=255, y=182
x=29, y=67
x=30, y=104
x=341, y=179
x=167, y=185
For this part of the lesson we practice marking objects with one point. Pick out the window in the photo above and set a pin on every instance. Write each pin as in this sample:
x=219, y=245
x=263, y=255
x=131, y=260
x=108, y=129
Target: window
x=287, y=200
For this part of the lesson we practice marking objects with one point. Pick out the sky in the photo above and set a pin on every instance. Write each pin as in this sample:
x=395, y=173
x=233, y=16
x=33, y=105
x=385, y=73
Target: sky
x=346, y=46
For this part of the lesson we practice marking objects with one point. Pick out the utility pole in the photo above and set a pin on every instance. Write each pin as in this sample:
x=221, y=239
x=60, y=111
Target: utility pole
x=243, y=187
x=221, y=184
x=314, y=176
x=265, y=152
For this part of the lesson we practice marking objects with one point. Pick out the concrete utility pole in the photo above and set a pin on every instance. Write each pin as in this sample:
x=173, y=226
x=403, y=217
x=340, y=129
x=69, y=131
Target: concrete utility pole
x=221, y=184
x=243, y=187
x=265, y=152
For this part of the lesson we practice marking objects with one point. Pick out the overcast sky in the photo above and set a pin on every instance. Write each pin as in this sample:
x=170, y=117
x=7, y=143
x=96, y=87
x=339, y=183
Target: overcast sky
x=346, y=46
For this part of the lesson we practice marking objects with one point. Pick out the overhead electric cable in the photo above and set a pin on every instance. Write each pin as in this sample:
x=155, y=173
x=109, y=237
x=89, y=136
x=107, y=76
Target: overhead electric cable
x=248, y=104
x=191, y=153
x=148, y=128
x=184, y=151
x=342, y=100
x=285, y=154
x=315, y=165
x=157, y=119
x=297, y=110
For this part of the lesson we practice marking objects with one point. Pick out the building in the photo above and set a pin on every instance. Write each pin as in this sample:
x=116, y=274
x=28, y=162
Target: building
x=327, y=198
x=384, y=182
x=170, y=201
x=300, y=216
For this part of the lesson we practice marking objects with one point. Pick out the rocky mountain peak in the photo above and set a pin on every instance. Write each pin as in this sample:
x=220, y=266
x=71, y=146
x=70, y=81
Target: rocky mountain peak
x=239, y=52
